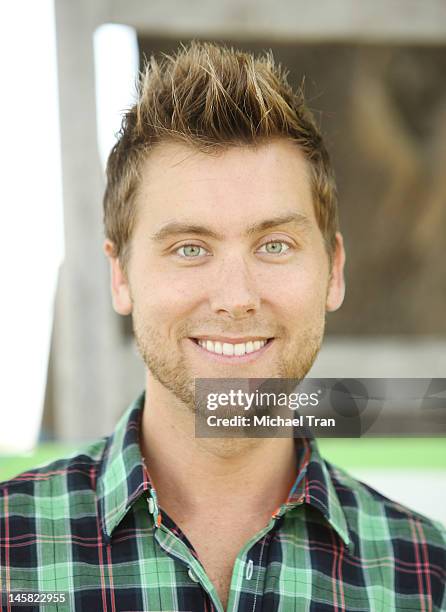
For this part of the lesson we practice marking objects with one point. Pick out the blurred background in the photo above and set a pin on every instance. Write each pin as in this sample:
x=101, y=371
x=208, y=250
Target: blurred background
x=374, y=76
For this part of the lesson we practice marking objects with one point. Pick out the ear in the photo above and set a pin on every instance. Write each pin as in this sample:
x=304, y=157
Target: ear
x=336, y=287
x=122, y=302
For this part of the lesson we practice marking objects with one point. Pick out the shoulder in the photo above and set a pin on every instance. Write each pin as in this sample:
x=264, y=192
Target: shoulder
x=375, y=515
x=398, y=550
x=54, y=482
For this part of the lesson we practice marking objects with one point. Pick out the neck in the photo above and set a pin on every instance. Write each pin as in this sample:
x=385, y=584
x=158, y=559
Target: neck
x=199, y=474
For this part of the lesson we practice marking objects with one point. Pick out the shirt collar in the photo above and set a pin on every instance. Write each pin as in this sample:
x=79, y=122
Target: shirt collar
x=314, y=486
x=122, y=477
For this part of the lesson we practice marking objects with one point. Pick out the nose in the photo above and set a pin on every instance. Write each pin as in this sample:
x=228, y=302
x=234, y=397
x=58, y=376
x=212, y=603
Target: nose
x=234, y=292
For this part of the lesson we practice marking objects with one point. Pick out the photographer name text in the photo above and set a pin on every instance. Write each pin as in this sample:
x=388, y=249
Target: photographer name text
x=303, y=420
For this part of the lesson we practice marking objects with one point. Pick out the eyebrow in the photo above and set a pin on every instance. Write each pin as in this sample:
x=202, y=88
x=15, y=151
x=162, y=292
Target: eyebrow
x=174, y=228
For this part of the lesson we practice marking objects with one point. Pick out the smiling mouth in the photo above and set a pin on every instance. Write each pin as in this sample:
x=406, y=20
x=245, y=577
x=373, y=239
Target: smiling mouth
x=232, y=349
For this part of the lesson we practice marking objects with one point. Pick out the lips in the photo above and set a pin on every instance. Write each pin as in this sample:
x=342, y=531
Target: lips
x=232, y=347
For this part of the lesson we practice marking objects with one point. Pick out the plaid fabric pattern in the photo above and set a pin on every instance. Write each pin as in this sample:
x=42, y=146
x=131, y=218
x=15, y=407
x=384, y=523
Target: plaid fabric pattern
x=90, y=525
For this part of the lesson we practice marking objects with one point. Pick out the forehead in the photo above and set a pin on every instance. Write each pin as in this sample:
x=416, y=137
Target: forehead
x=235, y=187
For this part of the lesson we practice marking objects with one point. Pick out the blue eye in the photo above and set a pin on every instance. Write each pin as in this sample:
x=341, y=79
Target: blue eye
x=191, y=251
x=275, y=247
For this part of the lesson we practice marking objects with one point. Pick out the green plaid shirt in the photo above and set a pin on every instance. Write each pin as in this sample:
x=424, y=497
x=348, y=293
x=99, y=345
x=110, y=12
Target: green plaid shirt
x=90, y=526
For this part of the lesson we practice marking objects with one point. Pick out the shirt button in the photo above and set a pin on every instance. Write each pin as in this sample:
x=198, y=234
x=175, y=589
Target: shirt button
x=151, y=505
x=249, y=569
x=192, y=576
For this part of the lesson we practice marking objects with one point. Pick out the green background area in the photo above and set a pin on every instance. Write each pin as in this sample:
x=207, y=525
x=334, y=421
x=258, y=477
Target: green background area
x=370, y=453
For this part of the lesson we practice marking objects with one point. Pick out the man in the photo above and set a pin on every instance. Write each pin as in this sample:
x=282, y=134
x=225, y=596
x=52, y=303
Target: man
x=222, y=234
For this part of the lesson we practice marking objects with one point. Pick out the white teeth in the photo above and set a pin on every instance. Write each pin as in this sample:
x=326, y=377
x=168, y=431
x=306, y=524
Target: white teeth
x=226, y=348
x=239, y=349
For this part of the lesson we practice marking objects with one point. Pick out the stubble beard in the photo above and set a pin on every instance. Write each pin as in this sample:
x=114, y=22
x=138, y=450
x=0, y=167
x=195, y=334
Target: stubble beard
x=169, y=366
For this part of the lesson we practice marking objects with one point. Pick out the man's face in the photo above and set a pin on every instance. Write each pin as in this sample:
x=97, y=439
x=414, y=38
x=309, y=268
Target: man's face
x=227, y=257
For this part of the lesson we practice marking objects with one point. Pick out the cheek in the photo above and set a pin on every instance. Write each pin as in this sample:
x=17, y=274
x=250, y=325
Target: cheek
x=164, y=296
x=299, y=293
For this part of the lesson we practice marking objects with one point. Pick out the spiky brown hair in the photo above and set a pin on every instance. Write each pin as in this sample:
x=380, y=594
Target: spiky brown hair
x=212, y=97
